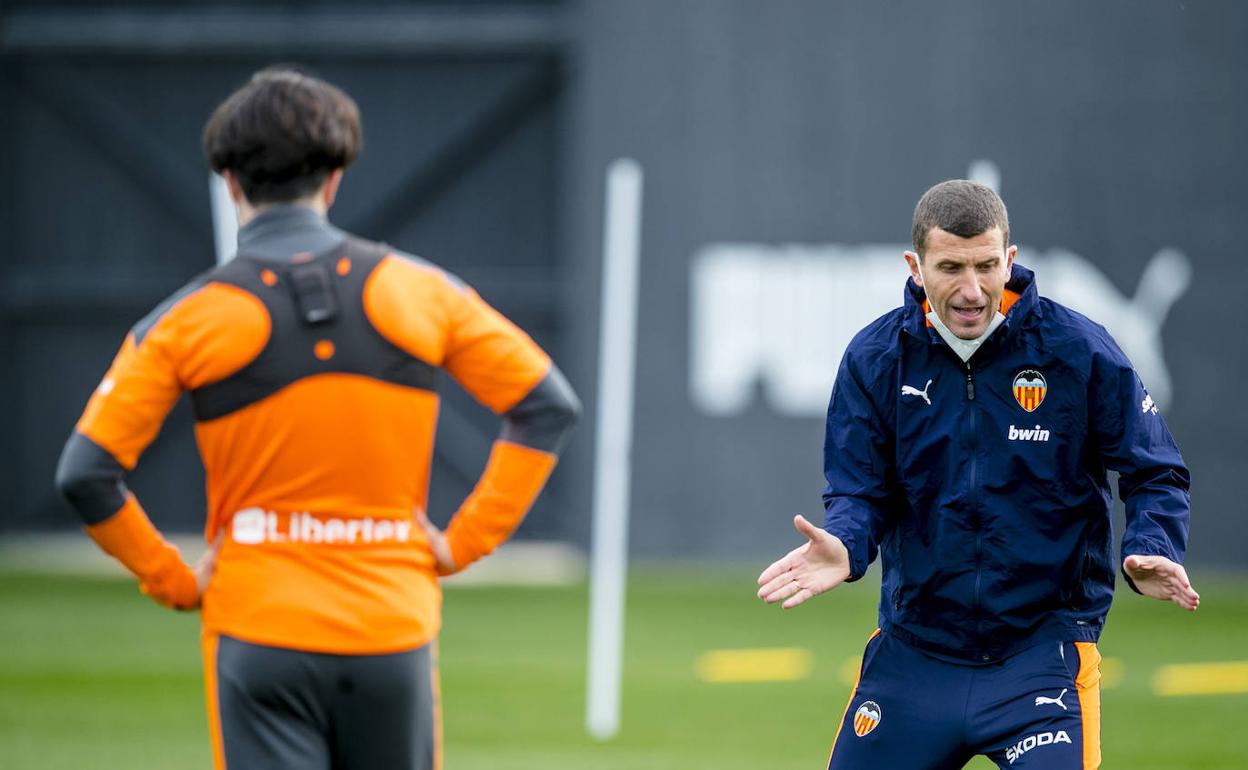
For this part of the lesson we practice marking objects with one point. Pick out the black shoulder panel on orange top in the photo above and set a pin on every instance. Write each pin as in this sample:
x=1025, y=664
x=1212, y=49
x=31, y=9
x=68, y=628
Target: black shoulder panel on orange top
x=319, y=326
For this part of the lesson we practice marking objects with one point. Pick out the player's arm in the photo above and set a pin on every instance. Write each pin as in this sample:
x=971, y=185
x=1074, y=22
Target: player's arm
x=856, y=448
x=1132, y=438
x=122, y=417
x=506, y=371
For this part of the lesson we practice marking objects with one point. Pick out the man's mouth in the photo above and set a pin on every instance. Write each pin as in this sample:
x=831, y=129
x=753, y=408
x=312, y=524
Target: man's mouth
x=970, y=313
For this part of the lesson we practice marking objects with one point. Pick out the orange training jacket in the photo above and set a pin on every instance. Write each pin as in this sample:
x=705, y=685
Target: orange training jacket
x=311, y=361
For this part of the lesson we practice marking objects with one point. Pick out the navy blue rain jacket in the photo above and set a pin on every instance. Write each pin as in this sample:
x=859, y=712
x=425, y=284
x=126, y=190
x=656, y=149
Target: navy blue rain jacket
x=993, y=521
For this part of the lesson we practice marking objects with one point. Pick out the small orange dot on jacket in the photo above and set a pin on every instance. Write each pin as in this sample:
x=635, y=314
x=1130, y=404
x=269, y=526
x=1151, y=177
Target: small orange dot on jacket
x=323, y=350
x=344, y=266
x=269, y=277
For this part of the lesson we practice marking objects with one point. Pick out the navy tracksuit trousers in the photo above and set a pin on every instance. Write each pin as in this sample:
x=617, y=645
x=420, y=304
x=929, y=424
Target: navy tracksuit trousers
x=1039, y=708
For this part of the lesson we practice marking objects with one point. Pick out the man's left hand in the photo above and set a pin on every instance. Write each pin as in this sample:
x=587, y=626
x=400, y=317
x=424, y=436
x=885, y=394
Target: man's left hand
x=1160, y=578
x=205, y=568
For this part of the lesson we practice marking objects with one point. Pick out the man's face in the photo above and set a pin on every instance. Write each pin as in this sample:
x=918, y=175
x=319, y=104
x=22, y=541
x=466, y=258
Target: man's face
x=963, y=277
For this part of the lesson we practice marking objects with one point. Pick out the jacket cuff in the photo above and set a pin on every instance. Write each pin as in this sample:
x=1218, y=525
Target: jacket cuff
x=511, y=482
x=129, y=537
x=857, y=561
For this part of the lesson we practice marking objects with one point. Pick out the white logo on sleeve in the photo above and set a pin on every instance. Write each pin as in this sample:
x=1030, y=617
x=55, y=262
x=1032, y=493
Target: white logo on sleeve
x=1032, y=741
x=106, y=386
x=1147, y=405
x=910, y=390
x=1041, y=700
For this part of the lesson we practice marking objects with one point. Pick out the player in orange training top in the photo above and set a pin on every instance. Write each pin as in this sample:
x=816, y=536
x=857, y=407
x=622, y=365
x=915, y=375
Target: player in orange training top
x=310, y=360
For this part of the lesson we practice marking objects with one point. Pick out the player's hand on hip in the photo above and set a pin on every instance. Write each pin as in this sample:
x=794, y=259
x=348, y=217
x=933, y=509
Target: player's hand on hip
x=1160, y=578
x=819, y=565
x=206, y=567
x=444, y=560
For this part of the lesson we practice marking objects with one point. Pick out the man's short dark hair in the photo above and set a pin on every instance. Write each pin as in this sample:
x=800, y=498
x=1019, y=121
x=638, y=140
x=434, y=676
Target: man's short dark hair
x=961, y=207
x=281, y=134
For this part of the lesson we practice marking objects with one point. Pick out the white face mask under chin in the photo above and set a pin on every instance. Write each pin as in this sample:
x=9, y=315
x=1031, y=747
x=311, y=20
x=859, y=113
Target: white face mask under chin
x=964, y=348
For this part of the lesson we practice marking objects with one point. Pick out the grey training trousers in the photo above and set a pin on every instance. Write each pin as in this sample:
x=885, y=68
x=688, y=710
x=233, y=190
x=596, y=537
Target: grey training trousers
x=281, y=708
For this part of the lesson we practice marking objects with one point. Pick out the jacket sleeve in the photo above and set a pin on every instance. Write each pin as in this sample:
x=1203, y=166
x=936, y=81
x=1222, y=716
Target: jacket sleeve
x=122, y=417
x=856, y=449
x=505, y=370
x=1132, y=439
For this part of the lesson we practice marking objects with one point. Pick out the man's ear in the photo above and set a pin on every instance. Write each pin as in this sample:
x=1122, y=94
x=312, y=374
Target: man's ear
x=912, y=259
x=330, y=190
x=236, y=189
x=1010, y=254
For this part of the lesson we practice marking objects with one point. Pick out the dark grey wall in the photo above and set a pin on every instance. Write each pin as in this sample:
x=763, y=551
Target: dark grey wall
x=1116, y=128
x=799, y=132
x=105, y=211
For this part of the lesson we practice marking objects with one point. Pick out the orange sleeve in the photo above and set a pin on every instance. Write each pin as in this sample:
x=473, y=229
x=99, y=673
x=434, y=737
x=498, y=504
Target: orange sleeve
x=512, y=480
x=129, y=537
x=204, y=336
x=489, y=355
x=201, y=335
x=126, y=411
x=432, y=316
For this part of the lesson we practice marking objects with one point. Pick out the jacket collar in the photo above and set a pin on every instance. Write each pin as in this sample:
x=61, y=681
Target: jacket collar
x=280, y=232
x=1020, y=304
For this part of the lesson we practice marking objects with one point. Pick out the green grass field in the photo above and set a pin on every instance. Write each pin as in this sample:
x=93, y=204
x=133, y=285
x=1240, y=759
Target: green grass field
x=93, y=675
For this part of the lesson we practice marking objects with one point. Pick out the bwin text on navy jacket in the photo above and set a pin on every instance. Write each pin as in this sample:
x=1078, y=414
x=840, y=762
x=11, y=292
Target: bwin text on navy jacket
x=994, y=521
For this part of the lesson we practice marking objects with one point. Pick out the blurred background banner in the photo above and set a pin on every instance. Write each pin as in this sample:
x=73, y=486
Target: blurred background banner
x=785, y=145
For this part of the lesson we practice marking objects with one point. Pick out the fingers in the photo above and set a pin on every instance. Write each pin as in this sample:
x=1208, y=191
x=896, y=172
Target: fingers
x=1184, y=595
x=431, y=530
x=798, y=598
x=790, y=560
x=782, y=574
x=795, y=578
x=780, y=566
x=442, y=553
x=1161, y=578
x=206, y=566
x=787, y=590
x=422, y=518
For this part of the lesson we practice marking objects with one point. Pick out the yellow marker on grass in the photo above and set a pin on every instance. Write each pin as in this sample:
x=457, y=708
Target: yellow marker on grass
x=1202, y=678
x=775, y=664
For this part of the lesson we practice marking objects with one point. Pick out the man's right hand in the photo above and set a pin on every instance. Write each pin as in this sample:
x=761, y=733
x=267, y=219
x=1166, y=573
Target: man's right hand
x=444, y=560
x=807, y=571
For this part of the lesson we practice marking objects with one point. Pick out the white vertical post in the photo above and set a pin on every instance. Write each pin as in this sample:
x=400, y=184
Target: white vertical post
x=224, y=218
x=613, y=446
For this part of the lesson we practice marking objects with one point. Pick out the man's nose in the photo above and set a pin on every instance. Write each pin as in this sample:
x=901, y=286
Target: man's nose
x=969, y=289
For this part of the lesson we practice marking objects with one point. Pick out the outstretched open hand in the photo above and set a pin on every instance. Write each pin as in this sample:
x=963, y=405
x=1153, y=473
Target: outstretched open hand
x=1160, y=578
x=819, y=565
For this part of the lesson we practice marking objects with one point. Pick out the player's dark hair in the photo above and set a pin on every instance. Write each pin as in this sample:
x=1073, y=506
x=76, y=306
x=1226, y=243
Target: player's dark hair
x=282, y=133
x=961, y=207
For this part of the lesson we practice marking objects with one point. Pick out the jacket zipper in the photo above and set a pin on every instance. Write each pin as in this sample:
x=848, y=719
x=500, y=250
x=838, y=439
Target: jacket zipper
x=979, y=531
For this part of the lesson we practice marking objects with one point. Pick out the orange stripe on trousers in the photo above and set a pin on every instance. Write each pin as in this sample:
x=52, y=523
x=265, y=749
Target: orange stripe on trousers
x=850, y=702
x=209, y=643
x=1088, y=685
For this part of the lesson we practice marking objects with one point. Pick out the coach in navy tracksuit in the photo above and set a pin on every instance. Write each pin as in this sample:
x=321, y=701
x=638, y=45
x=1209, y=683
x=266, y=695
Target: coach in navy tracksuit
x=968, y=440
